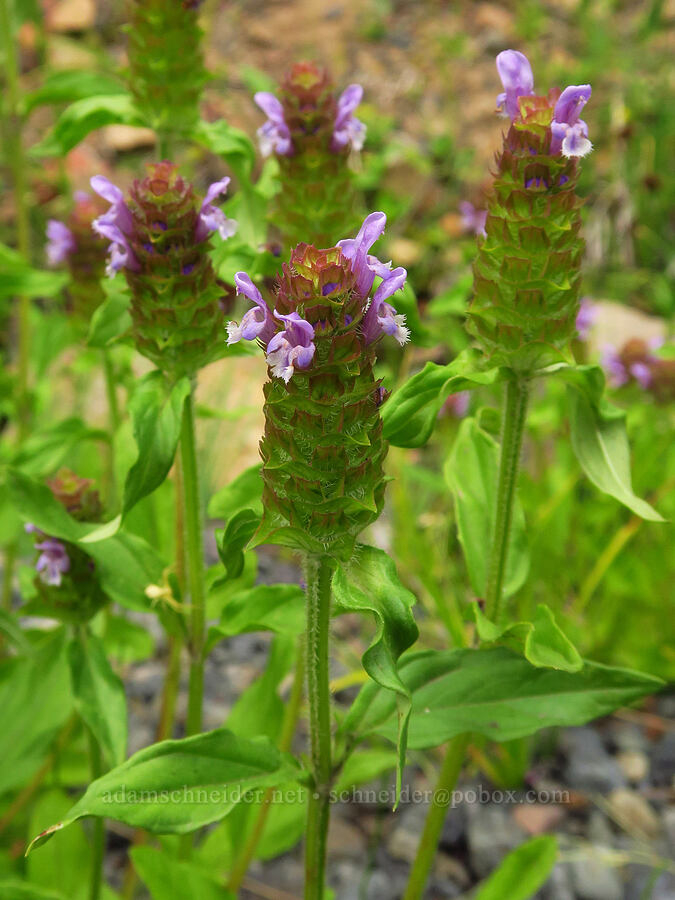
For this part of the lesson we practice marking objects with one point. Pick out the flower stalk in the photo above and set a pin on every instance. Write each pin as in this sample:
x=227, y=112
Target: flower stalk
x=318, y=575
x=513, y=425
x=194, y=549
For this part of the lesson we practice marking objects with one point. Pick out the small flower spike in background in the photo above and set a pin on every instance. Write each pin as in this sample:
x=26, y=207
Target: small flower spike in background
x=159, y=236
x=527, y=272
x=311, y=134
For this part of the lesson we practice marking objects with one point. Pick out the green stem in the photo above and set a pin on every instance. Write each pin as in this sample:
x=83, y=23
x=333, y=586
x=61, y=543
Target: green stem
x=16, y=160
x=98, y=824
x=195, y=567
x=113, y=422
x=290, y=721
x=426, y=850
x=513, y=424
x=319, y=572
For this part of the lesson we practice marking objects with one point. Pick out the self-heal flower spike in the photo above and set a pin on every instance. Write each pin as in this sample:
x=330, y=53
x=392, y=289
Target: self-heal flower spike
x=159, y=236
x=67, y=579
x=527, y=271
x=311, y=132
x=322, y=449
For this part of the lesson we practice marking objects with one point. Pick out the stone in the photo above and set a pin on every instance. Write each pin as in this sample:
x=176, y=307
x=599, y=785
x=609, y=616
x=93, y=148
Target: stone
x=71, y=15
x=454, y=827
x=404, y=839
x=449, y=868
x=589, y=767
x=491, y=834
x=663, y=760
x=559, y=884
x=669, y=826
x=634, y=764
x=128, y=137
x=536, y=818
x=632, y=812
x=345, y=839
x=593, y=880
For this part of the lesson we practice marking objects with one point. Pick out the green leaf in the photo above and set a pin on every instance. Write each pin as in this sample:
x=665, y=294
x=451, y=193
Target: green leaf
x=35, y=701
x=11, y=629
x=112, y=319
x=230, y=143
x=175, y=787
x=99, y=696
x=70, y=857
x=259, y=710
x=370, y=583
x=496, y=693
x=232, y=540
x=521, y=873
x=84, y=116
x=127, y=565
x=18, y=277
x=126, y=641
x=266, y=607
x=13, y=889
x=472, y=471
x=168, y=878
x=156, y=410
x=600, y=442
x=69, y=85
x=410, y=414
x=542, y=641
x=244, y=491
x=45, y=450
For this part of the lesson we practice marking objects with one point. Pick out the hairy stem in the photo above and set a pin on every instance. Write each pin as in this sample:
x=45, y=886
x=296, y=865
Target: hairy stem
x=513, y=424
x=195, y=567
x=290, y=721
x=426, y=850
x=319, y=573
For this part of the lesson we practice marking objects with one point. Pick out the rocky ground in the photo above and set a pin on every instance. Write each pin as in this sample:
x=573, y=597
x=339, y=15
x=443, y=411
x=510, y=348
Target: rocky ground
x=615, y=778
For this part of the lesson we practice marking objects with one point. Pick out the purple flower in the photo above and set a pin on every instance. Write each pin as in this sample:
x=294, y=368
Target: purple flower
x=212, y=218
x=473, y=220
x=348, y=129
x=60, y=242
x=610, y=361
x=356, y=251
x=274, y=136
x=585, y=318
x=381, y=318
x=114, y=225
x=515, y=72
x=569, y=133
x=257, y=322
x=53, y=561
x=292, y=348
